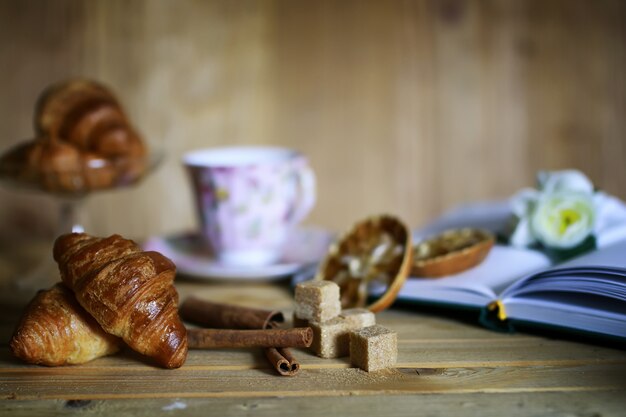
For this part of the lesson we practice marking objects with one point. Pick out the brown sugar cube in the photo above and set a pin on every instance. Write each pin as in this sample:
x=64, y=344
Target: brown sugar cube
x=373, y=348
x=317, y=301
x=357, y=318
x=330, y=338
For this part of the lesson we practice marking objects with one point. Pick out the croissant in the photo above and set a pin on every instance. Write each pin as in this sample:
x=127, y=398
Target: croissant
x=58, y=101
x=129, y=292
x=86, y=114
x=56, y=330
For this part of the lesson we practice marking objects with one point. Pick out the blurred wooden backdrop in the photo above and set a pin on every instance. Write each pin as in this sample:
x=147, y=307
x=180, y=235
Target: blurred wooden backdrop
x=407, y=107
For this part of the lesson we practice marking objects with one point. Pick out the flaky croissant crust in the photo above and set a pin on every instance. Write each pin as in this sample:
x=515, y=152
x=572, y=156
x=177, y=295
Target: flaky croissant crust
x=56, y=330
x=129, y=292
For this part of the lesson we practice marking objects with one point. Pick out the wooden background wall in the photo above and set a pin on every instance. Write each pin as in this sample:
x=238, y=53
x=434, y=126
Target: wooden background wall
x=408, y=107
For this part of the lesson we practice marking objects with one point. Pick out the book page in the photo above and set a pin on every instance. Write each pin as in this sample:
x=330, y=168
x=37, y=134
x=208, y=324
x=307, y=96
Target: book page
x=590, y=314
x=480, y=285
x=587, y=293
x=597, y=269
x=611, y=256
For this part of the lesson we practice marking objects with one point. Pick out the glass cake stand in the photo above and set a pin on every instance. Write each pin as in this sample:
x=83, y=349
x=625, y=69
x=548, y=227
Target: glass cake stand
x=70, y=188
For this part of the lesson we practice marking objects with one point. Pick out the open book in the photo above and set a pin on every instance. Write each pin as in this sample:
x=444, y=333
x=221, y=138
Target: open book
x=522, y=286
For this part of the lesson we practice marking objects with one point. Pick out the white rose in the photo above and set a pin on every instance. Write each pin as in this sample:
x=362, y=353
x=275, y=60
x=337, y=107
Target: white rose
x=563, y=219
x=559, y=214
x=567, y=180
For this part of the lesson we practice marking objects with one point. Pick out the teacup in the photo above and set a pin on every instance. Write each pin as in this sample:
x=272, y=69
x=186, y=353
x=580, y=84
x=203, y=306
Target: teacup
x=249, y=199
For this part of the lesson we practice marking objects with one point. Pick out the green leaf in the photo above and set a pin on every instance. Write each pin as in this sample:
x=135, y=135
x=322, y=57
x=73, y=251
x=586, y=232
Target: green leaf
x=558, y=255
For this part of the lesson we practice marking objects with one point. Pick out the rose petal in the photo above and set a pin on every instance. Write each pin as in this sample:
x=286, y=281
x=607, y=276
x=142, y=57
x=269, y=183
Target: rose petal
x=610, y=212
x=567, y=180
x=522, y=236
x=523, y=202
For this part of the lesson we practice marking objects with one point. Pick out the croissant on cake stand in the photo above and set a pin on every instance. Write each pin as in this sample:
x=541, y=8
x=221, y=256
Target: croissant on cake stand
x=84, y=141
x=56, y=330
x=129, y=292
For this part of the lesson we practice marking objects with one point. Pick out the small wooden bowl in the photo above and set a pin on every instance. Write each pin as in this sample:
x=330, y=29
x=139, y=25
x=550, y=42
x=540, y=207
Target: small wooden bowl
x=451, y=252
x=376, y=250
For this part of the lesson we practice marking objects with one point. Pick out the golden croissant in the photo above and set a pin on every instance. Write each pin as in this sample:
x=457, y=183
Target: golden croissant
x=86, y=114
x=129, y=292
x=56, y=330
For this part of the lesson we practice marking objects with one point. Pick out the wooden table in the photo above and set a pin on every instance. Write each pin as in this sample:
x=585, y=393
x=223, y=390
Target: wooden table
x=445, y=367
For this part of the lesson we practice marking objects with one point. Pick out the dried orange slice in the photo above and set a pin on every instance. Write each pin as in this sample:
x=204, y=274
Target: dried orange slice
x=451, y=252
x=375, y=253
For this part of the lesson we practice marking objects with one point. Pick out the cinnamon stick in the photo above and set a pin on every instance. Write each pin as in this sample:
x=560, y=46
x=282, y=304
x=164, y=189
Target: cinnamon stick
x=294, y=365
x=265, y=338
x=224, y=316
x=280, y=363
x=283, y=360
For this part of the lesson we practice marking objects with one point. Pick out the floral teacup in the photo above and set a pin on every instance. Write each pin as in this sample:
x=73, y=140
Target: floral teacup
x=249, y=199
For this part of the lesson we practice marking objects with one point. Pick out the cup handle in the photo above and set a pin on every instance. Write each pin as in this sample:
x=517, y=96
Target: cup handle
x=305, y=193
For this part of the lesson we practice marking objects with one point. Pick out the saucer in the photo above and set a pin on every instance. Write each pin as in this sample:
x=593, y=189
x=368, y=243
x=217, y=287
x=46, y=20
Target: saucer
x=306, y=247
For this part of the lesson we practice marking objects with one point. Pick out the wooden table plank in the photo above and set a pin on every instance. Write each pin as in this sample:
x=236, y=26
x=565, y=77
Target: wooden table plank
x=507, y=350
x=85, y=383
x=597, y=403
